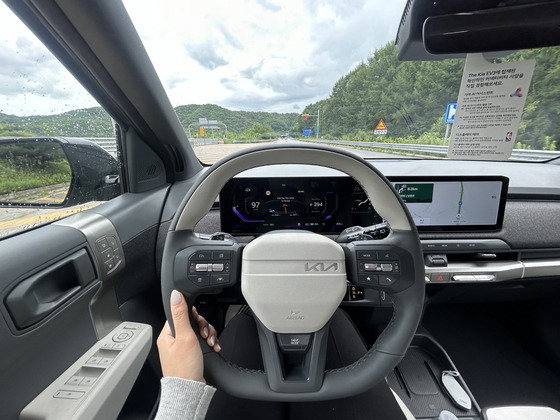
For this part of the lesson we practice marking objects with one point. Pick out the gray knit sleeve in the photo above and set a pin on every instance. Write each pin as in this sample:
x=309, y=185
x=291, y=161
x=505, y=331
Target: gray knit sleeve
x=183, y=399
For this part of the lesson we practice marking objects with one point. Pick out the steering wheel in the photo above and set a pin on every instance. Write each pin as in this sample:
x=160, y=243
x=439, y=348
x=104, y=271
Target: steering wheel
x=294, y=281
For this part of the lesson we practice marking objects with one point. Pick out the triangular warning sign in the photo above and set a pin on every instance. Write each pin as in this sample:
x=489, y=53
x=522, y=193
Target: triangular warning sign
x=381, y=125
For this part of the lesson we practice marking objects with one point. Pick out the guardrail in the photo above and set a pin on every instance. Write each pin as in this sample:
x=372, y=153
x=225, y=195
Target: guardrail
x=203, y=141
x=436, y=150
x=110, y=145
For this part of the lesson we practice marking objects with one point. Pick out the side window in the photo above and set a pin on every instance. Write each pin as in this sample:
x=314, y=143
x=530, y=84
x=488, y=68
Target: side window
x=58, y=152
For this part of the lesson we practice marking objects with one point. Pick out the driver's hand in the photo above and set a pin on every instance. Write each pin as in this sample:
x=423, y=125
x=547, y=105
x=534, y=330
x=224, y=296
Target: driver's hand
x=181, y=356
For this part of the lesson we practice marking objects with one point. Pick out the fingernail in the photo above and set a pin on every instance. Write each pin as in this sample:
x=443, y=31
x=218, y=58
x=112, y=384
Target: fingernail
x=212, y=341
x=175, y=297
x=205, y=332
x=218, y=347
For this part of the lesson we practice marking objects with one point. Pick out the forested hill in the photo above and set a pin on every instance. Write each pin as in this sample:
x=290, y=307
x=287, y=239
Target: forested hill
x=94, y=122
x=236, y=121
x=411, y=99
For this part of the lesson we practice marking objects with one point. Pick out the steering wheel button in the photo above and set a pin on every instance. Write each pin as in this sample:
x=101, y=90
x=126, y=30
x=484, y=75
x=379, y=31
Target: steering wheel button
x=202, y=267
x=387, y=255
x=371, y=267
x=221, y=255
x=200, y=280
x=217, y=267
x=387, y=280
x=368, y=279
x=294, y=342
x=387, y=267
x=367, y=255
x=219, y=279
x=201, y=256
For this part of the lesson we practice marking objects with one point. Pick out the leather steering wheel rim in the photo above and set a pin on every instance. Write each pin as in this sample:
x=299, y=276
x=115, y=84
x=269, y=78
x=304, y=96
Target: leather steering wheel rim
x=390, y=347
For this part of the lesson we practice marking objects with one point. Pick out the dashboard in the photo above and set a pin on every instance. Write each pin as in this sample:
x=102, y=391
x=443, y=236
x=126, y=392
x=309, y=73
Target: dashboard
x=328, y=205
x=514, y=241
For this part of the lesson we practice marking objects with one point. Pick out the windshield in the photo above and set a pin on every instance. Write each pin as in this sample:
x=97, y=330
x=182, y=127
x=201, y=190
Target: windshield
x=262, y=71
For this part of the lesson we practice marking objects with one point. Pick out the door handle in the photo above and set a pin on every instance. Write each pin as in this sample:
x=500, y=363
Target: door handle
x=34, y=298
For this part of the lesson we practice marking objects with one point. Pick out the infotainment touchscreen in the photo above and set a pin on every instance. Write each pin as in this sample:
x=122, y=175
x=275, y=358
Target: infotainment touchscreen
x=454, y=203
x=255, y=205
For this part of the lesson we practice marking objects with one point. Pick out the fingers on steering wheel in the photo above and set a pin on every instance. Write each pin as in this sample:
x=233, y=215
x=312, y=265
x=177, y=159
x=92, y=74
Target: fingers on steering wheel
x=206, y=330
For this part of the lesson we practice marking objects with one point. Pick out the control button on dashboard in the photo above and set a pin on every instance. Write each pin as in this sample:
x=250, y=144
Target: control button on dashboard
x=102, y=244
x=387, y=280
x=485, y=277
x=109, y=265
x=464, y=277
x=107, y=254
x=439, y=277
x=117, y=258
x=112, y=241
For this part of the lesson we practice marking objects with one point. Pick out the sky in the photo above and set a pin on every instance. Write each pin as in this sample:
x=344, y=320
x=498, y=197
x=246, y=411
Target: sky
x=251, y=55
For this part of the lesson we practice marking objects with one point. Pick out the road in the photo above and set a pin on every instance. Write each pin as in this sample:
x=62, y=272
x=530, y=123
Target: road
x=213, y=152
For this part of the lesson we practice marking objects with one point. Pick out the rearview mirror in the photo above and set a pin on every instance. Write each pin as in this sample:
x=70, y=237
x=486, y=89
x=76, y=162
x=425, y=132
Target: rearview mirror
x=499, y=29
x=55, y=172
x=451, y=29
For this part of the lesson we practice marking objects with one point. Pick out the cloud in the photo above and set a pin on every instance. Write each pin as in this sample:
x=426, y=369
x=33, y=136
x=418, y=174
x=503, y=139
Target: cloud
x=205, y=55
x=229, y=38
x=269, y=5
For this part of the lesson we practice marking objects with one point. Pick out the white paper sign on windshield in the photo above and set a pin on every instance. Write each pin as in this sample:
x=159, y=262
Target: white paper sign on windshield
x=489, y=107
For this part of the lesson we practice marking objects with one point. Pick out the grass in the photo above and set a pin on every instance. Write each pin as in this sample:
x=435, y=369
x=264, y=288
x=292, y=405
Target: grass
x=15, y=178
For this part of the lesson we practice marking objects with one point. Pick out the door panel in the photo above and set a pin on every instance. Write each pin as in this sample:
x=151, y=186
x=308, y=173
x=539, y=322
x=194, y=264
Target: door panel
x=35, y=354
x=58, y=294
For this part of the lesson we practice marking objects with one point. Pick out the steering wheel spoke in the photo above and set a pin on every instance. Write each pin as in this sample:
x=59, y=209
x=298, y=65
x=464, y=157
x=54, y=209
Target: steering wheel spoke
x=293, y=362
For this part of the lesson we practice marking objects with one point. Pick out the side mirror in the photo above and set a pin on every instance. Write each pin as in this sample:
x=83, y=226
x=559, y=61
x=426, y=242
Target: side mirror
x=55, y=172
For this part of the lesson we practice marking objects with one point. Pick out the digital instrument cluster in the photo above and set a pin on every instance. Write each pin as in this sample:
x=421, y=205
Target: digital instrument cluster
x=327, y=205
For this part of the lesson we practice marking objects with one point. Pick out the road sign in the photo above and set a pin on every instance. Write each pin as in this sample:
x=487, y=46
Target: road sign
x=381, y=128
x=450, y=113
x=306, y=132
